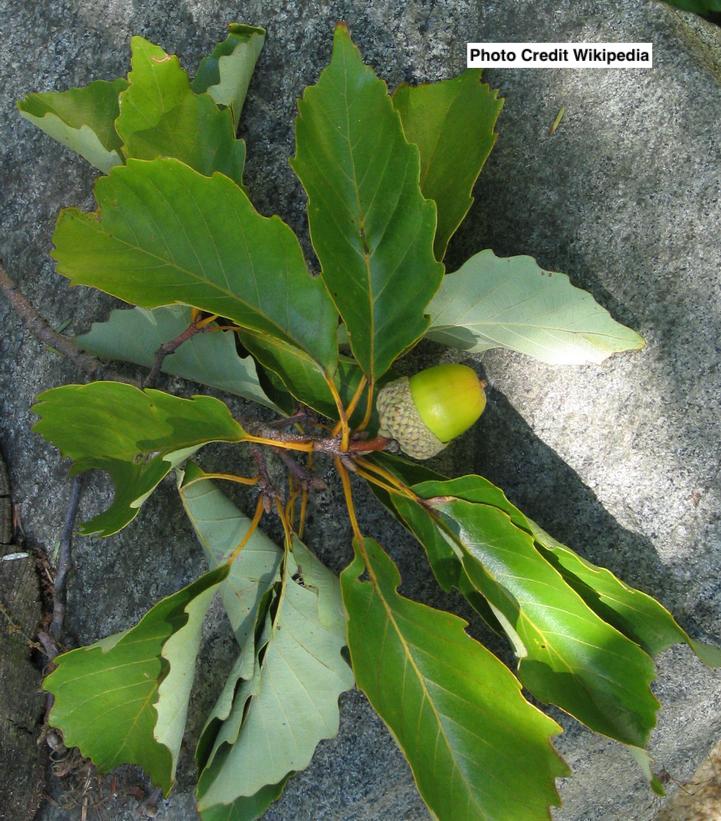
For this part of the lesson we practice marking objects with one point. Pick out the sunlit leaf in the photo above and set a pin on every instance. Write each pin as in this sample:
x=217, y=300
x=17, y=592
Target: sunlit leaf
x=165, y=234
x=124, y=700
x=207, y=358
x=476, y=747
x=370, y=225
x=80, y=118
x=226, y=72
x=494, y=302
x=631, y=611
x=452, y=124
x=135, y=436
x=160, y=116
x=568, y=656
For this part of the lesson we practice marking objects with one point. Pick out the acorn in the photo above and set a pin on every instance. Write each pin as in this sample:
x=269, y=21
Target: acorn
x=425, y=412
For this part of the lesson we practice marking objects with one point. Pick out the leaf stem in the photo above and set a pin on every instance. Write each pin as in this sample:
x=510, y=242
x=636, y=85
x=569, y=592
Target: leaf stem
x=374, y=480
x=257, y=516
x=369, y=408
x=387, y=476
x=227, y=477
x=287, y=531
x=342, y=416
x=348, y=494
x=304, y=445
x=353, y=404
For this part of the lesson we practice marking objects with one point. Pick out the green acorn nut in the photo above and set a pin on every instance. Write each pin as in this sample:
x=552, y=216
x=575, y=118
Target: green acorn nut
x=425, y=412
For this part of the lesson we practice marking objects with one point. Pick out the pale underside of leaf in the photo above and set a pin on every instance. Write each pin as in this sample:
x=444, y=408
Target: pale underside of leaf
x=81, y=119
x=493, y=302
x=220, y=526
x=207, y=358
x=456, y=711
x=292, y=702
x=226, y=72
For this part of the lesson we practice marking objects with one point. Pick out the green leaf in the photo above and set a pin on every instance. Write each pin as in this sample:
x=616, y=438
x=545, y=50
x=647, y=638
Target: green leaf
x=281, y=696
x=445, y=564
x=456, y=711
x=226, y=72
x=160, y=116
x=136, y=436
x=493, y=302
x=81, y=119
x=568, y=656
x=452, y=123
x=206, y=358
x=302, y=376
x=124, y=700
x=634, y=613
x=370, y=225
x=291, y=702
x=165, y=234
x=699, y=6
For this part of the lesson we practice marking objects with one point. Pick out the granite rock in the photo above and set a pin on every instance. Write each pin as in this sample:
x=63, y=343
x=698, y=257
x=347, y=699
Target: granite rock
x=619, y=460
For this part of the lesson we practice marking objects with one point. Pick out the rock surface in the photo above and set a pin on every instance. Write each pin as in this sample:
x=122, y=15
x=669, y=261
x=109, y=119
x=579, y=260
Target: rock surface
x=620, y=461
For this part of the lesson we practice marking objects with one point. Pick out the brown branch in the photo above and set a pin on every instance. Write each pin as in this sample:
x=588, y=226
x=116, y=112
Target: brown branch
x=171, y=346
x=304, y=476
x=42, y=331
x=64, y=560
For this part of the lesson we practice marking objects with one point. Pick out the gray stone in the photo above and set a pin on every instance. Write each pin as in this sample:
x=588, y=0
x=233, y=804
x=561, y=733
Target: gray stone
x=620, y=461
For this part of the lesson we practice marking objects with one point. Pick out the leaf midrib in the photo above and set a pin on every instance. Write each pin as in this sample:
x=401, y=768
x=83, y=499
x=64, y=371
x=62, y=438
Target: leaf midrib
x=198, y=278
x=421, y=680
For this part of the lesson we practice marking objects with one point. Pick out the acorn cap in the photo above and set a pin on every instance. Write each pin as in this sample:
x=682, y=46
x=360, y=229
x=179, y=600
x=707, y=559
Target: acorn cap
x=400, y=420
x=425, y=412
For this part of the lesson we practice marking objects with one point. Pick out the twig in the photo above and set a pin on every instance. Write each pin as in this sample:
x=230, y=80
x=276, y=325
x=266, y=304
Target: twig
x=304, y=476
x=64, y=559
x=171, y=346
x=42, y=331
x=288, y=421
x=268, y=491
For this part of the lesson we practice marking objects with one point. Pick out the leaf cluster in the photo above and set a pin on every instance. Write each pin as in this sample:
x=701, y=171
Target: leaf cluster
x=389, y=178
